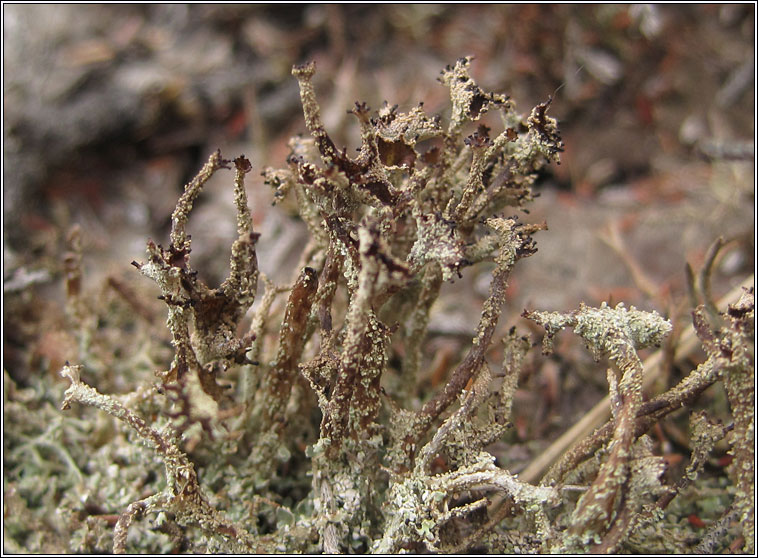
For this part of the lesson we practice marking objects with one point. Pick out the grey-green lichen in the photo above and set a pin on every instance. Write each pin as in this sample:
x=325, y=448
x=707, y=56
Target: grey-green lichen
x=296, y=427
x=737, y=353
x=614, y=333
x=605, y=328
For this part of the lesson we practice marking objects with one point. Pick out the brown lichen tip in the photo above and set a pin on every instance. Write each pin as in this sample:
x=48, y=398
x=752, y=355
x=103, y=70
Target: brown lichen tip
x=305, y=70
x=243, y=164
x=469, y=100
x=479, y=139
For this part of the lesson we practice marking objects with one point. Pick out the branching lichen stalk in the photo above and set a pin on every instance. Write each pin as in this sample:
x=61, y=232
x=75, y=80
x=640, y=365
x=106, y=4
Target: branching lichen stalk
x=310, y=421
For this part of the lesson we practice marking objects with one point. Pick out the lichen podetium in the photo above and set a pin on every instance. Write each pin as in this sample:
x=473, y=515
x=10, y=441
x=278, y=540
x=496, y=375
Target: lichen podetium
x=300, y=425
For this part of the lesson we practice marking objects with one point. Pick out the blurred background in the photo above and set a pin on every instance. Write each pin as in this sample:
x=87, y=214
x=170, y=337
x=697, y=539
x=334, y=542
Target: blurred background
x=110, y=109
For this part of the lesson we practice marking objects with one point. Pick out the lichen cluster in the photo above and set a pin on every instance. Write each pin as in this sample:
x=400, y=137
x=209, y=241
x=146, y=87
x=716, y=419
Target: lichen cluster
x=295, y=430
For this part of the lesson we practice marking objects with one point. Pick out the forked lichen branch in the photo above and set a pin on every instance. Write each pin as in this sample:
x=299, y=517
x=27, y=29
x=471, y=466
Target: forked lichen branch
x=306, y=418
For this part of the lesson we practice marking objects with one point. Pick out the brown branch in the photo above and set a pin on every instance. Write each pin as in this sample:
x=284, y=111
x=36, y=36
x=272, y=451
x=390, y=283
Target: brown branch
x=515, y=243
x=473, y=360
x=596, y=506
x=278, y=382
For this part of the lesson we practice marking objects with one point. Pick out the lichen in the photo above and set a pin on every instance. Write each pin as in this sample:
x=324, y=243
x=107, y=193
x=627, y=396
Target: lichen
x=296, y=425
